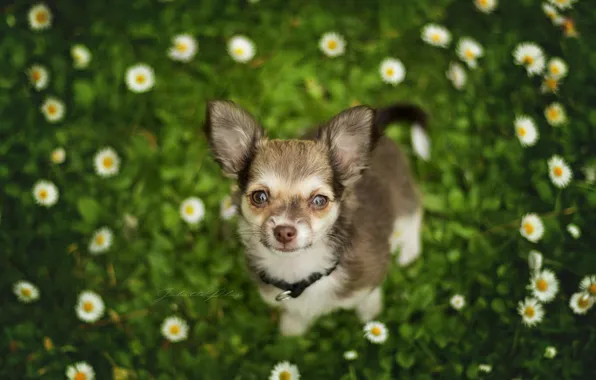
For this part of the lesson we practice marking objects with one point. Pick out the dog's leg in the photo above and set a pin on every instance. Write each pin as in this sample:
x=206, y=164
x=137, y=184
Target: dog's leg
x=411, y=243
x=370, y=306
x=293, y=324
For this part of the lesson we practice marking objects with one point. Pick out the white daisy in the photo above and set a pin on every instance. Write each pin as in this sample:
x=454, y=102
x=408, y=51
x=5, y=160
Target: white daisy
x=106, y=162
x=590, y=173
x=241, y=49
x=457, y=75
x=531, y=56
x=376, y=332
x=192, y=210
x=228, y=209
x=332, y=44
x=580, y=303
x=469, y=51
x=531, y=311
x=535, y=261
x=284, y=371
x=101, y=240
x=38, y=76
x=140, y=78
x=80, y=371
x=486, y=368
x=81, y=56
x=45, y=193
x=525, y=130
x=574, y=231
x=53, y=109
x=40, y=17
x=555, y=114
x=544, y=286
x=588, y=285
x=420, y=142
x=549, y=85
x=550, y=352
x=557, y=68
x=552, y=13
x=532, y=227
x=174, y=329
x=457, y=302
x=58, y=156
x=184, y=48
x=563, y=4
x=350, y=355
x=560, y=173
x=90, y=307
x=392, y=71
x=436, y=35
x=486, y=6
x=25, y=291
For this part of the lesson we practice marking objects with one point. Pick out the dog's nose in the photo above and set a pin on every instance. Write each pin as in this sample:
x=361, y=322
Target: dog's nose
x=284, y=234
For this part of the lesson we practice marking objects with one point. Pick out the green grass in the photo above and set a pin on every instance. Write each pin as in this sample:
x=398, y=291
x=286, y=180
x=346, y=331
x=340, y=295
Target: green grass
x=478, y=185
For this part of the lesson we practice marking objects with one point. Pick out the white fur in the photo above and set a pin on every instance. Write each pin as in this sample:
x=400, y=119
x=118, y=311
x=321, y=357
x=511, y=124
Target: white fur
x=409, y=239
x=420, y=142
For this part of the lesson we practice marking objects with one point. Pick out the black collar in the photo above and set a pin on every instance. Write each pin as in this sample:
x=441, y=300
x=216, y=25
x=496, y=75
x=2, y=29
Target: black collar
x=294, y=289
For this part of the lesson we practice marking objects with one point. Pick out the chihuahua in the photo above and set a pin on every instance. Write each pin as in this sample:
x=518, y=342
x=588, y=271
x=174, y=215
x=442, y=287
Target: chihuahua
x=317, y=213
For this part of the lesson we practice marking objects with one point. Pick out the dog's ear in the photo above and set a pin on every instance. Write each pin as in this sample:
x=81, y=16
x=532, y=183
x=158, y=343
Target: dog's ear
x=350, y=137
x=233, y=135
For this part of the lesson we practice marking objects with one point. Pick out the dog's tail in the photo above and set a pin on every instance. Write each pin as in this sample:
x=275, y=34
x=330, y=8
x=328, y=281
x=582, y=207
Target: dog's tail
x=415, y=116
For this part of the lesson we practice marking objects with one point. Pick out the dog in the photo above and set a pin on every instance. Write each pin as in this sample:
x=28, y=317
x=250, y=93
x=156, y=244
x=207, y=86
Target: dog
x=316, y=214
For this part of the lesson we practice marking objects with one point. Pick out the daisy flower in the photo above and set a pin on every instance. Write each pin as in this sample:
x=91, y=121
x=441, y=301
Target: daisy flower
x=392, y=71
x=560, y=173
x=525, y=130
x=350, y=355
x=457, y=302
x=192, y=210
x=531, y=311
x=332, y=44
x=174, y=329
x=531, y=56
x=580, y=303
x=140, y=78
x=80, y=371
x=420, y=142
x=241, y=49
x=58, y=156
x=563, y=4
x=485, y=6
x=40, y=17
x=557, y=68
x=544, y=286
x=574, y=231
x=101, y=240
x=457, y=75
x=486, y=368
x=588, y=285
x=535, y=261
x=555, y=114
x=228, y=209
x=550, y=352
x=549, y=85
x=376, y=332
x=45, y=193
x=25, y=291
x=552, y=13
x=90, y=306
x=532, y=227
x=81, y=56
x=284, y=371
x=106, y=162
x=184, y=48
x=38, y=76
x=436, y=35
x=53, y=109
x=468, y=50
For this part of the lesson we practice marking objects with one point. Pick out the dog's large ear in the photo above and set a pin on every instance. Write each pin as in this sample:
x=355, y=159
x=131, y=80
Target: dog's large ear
x=350, y=137
x=233, y=134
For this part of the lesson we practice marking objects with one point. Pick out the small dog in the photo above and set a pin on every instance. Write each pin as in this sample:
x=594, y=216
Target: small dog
x=316, y=214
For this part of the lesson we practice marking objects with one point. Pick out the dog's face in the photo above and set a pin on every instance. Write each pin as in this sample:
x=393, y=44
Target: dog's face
x=291, y=191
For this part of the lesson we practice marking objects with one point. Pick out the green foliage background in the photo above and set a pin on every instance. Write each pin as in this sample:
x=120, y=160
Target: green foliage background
x=478, y=184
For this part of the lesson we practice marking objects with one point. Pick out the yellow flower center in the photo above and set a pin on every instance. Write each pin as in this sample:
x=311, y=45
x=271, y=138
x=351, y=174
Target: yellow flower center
x=108, y=162
x=26, y=292
x=189, y=210
x=88, y=306
x=469, y=54
x=557, y=171
x=43, y=193
x=140, y=79
x=592, y=289
x=100, y=239
x=390, y=72
x=52, y=109
x=528, y=60
x=227, y=203
x=181, y=47
x=529, y=228
x=56, y=156
x=285, y=375
x=521, y=131
x=396, y=234
x=238, y=51
x=332, y=45
x=484, y=3
x=553, y=113
x=542, y=285
x=80, y=376
x=554, y=69
x=583, y=302
x=529, y=312
x=35, y=75
x=375, y=331
x=435, y=37
x=552, y=84
x=174, y=329
x=41, y=17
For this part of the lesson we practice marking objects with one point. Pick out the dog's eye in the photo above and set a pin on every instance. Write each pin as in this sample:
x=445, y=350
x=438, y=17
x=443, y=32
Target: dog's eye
x=319, y=201
x=259, y=197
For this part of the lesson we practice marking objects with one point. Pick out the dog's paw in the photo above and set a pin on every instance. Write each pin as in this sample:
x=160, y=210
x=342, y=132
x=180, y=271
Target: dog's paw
x=291, y=325
x=370, y=307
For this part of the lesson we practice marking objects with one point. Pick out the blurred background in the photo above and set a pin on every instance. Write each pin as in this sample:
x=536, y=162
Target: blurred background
x=107, y=186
